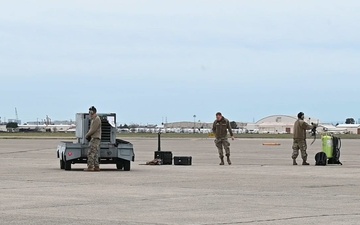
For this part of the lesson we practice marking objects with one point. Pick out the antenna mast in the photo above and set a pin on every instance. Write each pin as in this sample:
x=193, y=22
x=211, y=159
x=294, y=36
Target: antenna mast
x=16, y=115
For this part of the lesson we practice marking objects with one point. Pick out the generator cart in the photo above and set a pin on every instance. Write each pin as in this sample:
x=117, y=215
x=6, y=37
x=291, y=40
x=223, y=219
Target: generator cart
x=112, y=150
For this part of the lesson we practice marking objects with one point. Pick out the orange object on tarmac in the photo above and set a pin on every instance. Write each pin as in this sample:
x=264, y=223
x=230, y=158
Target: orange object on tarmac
x=271, y=144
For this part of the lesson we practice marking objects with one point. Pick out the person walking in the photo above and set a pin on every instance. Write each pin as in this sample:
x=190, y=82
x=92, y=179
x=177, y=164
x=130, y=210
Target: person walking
x=221, y=127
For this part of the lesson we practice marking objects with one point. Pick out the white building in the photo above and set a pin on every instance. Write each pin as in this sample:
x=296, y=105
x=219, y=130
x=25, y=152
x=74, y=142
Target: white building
x=3, y=128
x=279, y=124
x=331, y=129
x=350, y=128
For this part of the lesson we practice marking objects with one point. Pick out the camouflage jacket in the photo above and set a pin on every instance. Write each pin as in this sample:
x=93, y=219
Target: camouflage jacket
x=300, y=128
x=221, y=127
x=95, y=128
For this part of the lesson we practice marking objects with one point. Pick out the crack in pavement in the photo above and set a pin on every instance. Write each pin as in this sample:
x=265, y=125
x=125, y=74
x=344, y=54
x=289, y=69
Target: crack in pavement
x=283, y=219
x=24, y=151
x=94, y=221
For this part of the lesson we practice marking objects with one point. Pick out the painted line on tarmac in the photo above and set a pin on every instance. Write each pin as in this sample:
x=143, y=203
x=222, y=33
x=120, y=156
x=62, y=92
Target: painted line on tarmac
x=24, y=151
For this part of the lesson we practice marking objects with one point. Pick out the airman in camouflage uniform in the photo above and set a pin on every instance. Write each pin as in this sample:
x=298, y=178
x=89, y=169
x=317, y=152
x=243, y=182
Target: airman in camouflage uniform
x=94, y=138
x=300, y=128
x=220, y=128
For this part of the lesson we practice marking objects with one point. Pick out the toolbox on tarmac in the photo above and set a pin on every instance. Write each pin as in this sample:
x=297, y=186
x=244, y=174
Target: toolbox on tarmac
x=165, y=156
x=183, y=160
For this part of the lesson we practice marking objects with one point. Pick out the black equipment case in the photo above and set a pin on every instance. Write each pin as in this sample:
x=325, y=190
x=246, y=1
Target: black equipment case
x=183, y=160
x=165, y=156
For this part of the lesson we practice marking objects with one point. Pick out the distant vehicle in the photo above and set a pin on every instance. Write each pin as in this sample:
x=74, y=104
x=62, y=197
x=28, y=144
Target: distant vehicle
x=46, y=128
x=264, y=132
x=124, y=130
x=255, y=131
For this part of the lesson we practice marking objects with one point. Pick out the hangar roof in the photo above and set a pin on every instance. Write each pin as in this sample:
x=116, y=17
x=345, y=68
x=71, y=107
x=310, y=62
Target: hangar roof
x=276, y=119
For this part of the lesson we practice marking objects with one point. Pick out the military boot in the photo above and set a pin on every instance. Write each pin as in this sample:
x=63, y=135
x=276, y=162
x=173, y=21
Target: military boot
x=305, y=163
x=97, y=168
x=294, y=162
x=222, y=161
x=228, y=160
x=89, y=169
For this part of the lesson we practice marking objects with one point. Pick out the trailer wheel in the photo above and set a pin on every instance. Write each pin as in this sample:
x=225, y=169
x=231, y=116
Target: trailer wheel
x=67, y=165
x=127, y=165
x=62, y=164
x=119, y=165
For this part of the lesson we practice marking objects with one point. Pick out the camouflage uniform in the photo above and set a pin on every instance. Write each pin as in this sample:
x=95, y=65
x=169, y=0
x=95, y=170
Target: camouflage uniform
x=94, y=144
x=222, y=143
x=220, y=129
x=299, y=143
x=93, y=153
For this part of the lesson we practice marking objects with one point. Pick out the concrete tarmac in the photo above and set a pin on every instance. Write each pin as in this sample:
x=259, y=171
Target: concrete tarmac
x=261, y=187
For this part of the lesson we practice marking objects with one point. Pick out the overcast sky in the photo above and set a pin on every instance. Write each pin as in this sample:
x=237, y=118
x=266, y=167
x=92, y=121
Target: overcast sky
x=146, y=60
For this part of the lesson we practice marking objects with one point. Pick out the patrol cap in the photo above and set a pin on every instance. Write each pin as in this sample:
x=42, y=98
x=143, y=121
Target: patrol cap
x=300, y=114
x=92, y=110
x=218, y=114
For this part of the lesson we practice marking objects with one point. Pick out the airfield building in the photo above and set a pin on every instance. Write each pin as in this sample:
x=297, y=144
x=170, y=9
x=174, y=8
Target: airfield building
x=279, y=124
x=350, y=128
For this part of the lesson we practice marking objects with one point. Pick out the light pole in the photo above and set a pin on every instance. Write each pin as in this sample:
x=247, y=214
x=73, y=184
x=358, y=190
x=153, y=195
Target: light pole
x=194, y=122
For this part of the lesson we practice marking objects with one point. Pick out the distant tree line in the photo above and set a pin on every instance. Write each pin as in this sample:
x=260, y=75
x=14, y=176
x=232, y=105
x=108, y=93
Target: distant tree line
x=233, y=125
x=350, y=121
x=12, y=125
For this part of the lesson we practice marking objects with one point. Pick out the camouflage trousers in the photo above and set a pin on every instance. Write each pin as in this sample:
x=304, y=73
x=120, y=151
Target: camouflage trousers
x=93, y=153
x=222, y=143
x=299, y=145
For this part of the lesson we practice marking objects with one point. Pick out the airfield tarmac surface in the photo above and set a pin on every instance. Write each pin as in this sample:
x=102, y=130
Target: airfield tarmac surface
x=261, y=187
